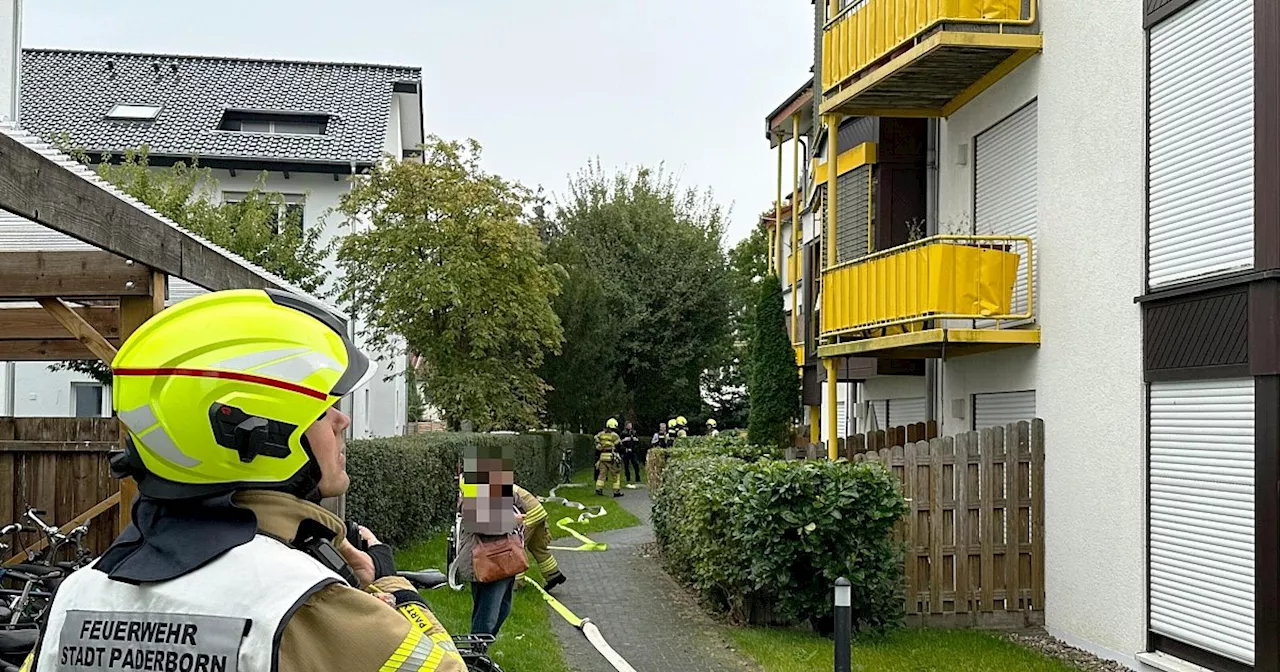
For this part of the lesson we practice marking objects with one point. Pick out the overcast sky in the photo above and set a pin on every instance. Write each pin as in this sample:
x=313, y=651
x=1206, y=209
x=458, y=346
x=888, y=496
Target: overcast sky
x=544, y=86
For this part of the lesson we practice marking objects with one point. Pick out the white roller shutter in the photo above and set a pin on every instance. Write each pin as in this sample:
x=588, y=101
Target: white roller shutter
x=1201, y=134
x=998, y=409
x=1202, y=520
x=903, y=412
x=1005, y=188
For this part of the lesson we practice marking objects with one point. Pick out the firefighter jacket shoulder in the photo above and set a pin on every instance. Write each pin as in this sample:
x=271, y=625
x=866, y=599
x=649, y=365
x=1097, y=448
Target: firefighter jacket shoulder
x=262, y=606
x=607, y=440
x=531, y=506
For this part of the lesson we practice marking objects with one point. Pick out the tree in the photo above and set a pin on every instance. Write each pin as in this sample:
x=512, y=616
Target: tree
x=726, y=389
x=258, y=227
x=775, y=386
x=660, y=319
x=450, y=265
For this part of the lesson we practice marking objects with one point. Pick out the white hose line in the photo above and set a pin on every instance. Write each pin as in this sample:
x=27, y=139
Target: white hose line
x=597, y=640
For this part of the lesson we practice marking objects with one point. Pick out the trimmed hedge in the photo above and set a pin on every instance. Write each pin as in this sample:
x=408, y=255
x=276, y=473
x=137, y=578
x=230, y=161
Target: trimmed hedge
x=405, y=488
x=764, y=541
x=726, y=445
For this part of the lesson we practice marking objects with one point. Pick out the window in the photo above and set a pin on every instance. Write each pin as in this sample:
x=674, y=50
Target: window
x=291, y=211
x=133, y=112
x=275, y=123
x=86, y=400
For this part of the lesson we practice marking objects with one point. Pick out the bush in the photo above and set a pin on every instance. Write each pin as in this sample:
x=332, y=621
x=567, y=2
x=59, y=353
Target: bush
x=726, y=445
x=764, y=541
x=405, y=488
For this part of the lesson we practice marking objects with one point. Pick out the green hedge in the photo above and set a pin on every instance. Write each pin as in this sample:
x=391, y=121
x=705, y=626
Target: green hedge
x=405, y=488
x=765, y=540
x=726, y=445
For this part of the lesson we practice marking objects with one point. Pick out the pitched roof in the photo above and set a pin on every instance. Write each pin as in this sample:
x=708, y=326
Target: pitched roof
x=72, y=91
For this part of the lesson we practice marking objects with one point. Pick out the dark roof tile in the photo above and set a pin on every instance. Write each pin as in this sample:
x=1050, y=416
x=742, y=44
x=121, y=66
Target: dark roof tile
x=71, y=92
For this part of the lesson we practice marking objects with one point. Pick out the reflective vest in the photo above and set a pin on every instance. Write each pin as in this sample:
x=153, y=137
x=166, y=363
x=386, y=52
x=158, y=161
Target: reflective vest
x=227, y=615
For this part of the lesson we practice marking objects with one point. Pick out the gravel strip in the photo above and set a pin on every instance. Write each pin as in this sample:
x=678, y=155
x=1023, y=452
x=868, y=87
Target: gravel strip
x=1082, y=660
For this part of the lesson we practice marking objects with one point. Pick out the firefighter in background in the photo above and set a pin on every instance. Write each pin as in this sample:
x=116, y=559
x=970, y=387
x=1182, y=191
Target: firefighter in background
x=711, y=427
x=682, y=427
x=609, y=463
x=537, y=538
x=673, y=429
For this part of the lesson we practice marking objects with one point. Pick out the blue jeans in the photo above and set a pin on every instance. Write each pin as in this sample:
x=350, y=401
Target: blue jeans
x=490, y=605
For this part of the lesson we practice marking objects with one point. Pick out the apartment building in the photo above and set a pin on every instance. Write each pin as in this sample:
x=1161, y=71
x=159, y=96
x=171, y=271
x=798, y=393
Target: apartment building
x=1070, y=211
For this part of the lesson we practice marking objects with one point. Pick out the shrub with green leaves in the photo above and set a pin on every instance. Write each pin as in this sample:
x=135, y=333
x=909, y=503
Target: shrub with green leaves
x=405, y=488
x=764, y=541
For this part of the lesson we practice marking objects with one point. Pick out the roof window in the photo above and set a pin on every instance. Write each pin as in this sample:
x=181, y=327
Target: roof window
x=275, y=123
x=133, y=112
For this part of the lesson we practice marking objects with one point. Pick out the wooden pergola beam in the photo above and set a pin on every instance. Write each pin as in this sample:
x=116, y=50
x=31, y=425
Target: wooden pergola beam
x=81, y=330
x=31, y=275
x=37, y=188
x=17, y=324
x=47, y=350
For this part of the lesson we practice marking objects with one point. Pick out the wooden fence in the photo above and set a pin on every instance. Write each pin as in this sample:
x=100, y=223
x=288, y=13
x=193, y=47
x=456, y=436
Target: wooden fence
x=60, y=465
x=974, y=535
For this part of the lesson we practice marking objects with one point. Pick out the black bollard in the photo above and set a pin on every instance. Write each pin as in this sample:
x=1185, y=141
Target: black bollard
x=844, y=624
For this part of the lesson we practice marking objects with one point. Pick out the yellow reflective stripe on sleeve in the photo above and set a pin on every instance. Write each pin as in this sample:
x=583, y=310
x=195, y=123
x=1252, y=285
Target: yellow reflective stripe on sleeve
x=535, y=515
x=415, y=654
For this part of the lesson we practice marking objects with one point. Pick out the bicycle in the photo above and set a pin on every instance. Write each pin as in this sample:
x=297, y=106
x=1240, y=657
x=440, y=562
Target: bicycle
x=566, y=464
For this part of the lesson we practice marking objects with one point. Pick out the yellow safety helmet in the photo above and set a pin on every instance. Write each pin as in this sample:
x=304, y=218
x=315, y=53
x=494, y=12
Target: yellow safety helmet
x=711, y=422
x=217, y=391
x=611, y=424
x=681, y=421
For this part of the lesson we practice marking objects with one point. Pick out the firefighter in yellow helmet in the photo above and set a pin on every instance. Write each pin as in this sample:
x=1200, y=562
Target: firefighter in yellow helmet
x=683, y=425
x=711, y=427
x=234, y=435
x=673, y=430
x=609, y=462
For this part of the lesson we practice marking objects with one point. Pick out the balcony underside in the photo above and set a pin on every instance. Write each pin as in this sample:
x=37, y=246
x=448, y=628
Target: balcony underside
x=934, y=343
x=933, y=77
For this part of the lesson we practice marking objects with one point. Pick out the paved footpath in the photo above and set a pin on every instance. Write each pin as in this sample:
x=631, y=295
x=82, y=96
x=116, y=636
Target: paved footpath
x=641, y=611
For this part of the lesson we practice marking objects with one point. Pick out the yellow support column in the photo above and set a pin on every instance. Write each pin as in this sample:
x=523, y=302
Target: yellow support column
x=794, y=267
x=833, y=151
x=833, y=430
x=776, y=251
x=815, y=424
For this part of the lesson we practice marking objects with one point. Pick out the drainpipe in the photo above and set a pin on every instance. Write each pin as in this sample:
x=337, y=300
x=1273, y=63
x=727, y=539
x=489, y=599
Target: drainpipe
x=932, y=367
x=10, y=389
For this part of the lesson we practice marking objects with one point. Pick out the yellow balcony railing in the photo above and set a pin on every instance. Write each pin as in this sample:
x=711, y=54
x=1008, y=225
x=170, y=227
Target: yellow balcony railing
x=987, y=279
x=966, y=34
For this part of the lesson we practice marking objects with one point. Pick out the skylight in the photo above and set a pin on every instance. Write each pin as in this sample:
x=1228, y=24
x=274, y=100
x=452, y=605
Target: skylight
x=134, y=112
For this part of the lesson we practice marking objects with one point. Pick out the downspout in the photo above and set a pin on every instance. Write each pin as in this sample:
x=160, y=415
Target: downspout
x=792, y=267
x=932, y=367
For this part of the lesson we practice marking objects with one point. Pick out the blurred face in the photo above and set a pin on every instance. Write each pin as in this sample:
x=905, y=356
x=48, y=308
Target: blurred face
x=628, y=426
x=662, y=427
x=490, y=510
x=329, y=446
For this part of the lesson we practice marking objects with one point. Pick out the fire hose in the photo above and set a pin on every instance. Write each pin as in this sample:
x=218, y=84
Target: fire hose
x=587, y=628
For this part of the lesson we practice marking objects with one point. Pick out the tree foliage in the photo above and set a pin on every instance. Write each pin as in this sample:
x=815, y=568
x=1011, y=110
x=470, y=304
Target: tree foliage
x=775, y=385
x=449, y=264
x=659, y=318
x=258, y=227
x=726, y=386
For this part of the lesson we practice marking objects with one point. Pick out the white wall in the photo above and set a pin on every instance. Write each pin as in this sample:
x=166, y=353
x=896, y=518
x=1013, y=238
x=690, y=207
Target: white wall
x=1088, y=372
x=39, y=392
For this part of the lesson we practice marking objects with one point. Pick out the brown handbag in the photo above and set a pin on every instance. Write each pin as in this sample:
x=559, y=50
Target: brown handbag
x=498, y=560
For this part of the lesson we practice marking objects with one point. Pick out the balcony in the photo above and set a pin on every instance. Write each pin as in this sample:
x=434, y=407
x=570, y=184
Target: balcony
x=921, y=58
x=941, y=296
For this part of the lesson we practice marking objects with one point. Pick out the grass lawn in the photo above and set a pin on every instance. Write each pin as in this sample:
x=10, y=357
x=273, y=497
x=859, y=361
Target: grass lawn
x=780, y=650
x=616, y=518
